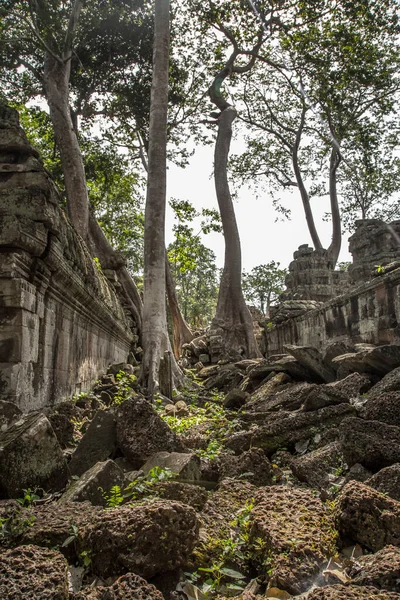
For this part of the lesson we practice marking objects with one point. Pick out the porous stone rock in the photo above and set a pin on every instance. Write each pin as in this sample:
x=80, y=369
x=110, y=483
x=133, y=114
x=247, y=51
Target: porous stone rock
x=31, y=457
x=32, y=572
x=382, y=569
x=98, y=443
x=63, y=428
x=298, y=535
x=367, y=516
x=318, y=467
x=383, y=359
x=252, y=465
x=291, y=397
x=387, y=481
x=389, y=383
x=323, y=395
x=353, y=385
x=92, y=485
x=227, y=377
x=142, y=433
x=185, y=465
x=310, y=358
x=9, y=412
x=373, y=444
x=334, y=349
x=351, y=592
x=50, y=524
x=146, y=540
x=186, y=493
x=385, y=408
x=127, y=587
x=288, y=430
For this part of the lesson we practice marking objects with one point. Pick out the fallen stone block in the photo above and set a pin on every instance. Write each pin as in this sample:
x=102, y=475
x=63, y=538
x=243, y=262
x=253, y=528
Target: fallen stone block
x=387, y=481
x=310, y=358
x=367, y=517
x=185, y=465
x=385, y=408
x=127, y=587
x=252, y=466
x=145, y=540
x=373, y=444
x=298, y=536
x=32, y=572
x=382, y=569
x=95, y=484
x=319, y=467
x=30, y=456
x=141, y=432
x=351, y=592
x=97, y=445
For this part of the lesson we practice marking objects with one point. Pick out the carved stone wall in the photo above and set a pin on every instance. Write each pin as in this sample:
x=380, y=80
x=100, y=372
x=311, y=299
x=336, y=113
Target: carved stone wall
x=61, y=323
x=373, y=245
x=311, y=276
x=368, y=313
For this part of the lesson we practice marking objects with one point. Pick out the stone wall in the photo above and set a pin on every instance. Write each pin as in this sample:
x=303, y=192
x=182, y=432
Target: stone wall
x=61, y=323
x=369, y=313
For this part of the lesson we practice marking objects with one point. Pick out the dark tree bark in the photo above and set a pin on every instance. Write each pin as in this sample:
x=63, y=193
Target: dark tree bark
x=334, y=248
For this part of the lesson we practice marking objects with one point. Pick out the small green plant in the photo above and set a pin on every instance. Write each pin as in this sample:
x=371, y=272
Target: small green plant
x=73, y=530
x=85, y=558
x=97, y=264
x=140, y=487
x=380, y=270
x=125, y=383
x=29, y=498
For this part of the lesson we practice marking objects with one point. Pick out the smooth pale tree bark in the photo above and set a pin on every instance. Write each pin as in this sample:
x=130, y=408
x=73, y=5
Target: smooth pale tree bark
x=334, y=248
x=180, y=329
x=154, y=329
x=232, y=319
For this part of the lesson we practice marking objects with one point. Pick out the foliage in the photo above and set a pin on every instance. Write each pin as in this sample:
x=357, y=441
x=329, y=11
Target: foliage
x=141, y=487
x=192, y=264
x=126, y=382
x=263, y=285
x=29, y=498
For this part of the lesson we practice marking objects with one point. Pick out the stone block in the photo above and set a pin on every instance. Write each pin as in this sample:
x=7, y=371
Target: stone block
x=98, y=443
x=94, y=482
x=30, y=457
x=186, y=466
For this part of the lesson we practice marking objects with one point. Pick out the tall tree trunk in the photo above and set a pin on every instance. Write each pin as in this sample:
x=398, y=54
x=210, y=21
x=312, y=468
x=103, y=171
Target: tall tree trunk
x=56, y=86
x=232, y=319
x=181, y=330
x=334, y=248
x=303, y=192
x=155, y=335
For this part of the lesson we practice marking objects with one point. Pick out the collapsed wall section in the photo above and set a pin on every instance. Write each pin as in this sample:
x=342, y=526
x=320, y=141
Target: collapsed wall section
x=369, y=313
x=61, y=323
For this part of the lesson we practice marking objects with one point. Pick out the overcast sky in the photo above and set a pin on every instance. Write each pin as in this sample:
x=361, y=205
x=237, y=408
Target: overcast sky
x=262, y=239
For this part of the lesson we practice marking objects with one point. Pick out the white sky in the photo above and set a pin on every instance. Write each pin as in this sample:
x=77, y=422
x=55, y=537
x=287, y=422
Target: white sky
x=262, y=239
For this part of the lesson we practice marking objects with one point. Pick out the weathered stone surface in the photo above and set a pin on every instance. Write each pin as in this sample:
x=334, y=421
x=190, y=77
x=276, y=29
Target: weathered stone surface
x=63, y=429
x=351, y=592
x=353, y=385
x=385, y=408
x=62, y=323
x=235, y=399
x=310, y=358
x=98, y=443
x=141, y=432
x=30, y=457
x=186, y=493
x=9, y=412
x=253, y=466
x=227, y=377
x=298, y=534
x=318, y=468
x=287, y=431
x=50, y=525
x=387, y=481
x=32, y=572
x=382, y=569
x=127, y=587
x=389, y=383
x=291, y=397
x=373, y=444
x=323, y=395
x=367, y=516
x=286, y=364
x=358, y=473
x=383, y=359
x=145, y=540
x=94, y=482
x=334, y=349
x=353, y=362
x=186, y=466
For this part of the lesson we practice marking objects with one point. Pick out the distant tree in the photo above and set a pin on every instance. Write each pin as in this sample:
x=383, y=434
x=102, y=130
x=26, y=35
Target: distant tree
x=263, y=285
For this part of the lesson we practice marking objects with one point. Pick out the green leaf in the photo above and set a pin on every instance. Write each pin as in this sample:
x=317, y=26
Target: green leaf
x=232, y=573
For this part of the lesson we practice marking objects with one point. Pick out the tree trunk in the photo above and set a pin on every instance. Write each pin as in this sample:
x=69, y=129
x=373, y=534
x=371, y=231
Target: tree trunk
x=334, y=248
x=232, y=320
x=303, y=192
x=56, y=86
x=154, y=330
x=181, y=330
